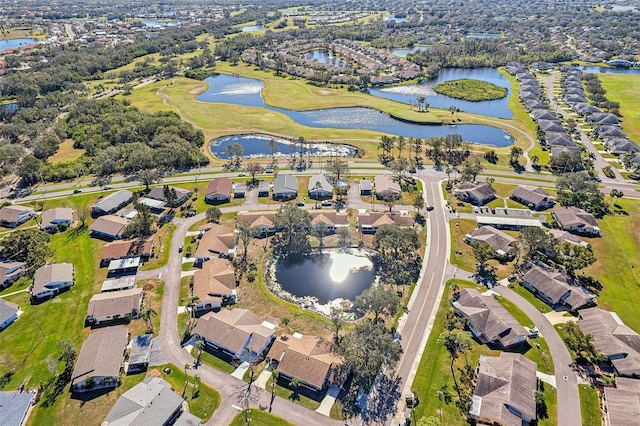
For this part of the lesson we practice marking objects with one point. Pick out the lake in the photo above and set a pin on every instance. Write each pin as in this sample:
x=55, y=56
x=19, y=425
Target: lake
x=252, y=28
x=482, y=35
x=408, y=93
x=257, y=146
x=16, y=42
x=324, y=57
x=156, y=24
x=328, y=276
x=403, y=52
x=606, y=70
x=247, y=91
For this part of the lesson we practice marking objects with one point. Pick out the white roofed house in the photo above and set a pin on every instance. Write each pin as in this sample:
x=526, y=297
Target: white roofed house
x=10, y=272
x=8, y=313
x=54, y=219
x=14, y=215
x=112, y=203
x=49, y=280
x=319, y=187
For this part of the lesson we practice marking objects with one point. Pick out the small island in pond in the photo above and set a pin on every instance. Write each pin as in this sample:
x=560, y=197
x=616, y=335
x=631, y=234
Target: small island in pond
x=471, y=90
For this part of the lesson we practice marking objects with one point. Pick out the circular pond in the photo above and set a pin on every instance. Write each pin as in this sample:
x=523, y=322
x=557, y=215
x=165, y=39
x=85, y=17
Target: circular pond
x=328, y=276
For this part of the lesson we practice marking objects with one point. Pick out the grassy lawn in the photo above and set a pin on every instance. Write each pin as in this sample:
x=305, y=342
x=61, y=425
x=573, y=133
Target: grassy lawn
x=618, y=264
x=623, y=88
x=551, y=399
x=162, y=239
x=462, y=253
x=589, y=405
x=286, y=393
x=259, y=418
x=203, y=401
x=213, y=361
x=531, y=298
x=66, y=152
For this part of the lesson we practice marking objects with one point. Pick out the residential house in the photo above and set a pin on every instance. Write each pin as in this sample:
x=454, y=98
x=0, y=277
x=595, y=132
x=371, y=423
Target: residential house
x=51, y=279
x=567, y=237
x=138, y=247
x=488, y=320
x=114, y=305
x=576, y=220
x=386, y=187
x=365, y=187
x=15, y=407
x=319, y=187
x=10, y=272
x=475, y=193
x=260, y=222
x=156, y=207
x=264, y=188
x=285, y=187
x=126, y=266
x=117, y=284
x=553, y=287
x=603, y=118
x=214, y=285
x=53, y=219
x=607, y=132
x=622, y=403
x=550, y=125
x=240, y=190
x=151, y=402
x=100, y=359
x=14, y=215
x=621, y=146
x=543, y=114
x=503, y=245
x=180, y=194
x=308, y=359
x=237, y=333
x=331, y=219
x=533, y=197
x=368, y=223
x=612, y=338
x=108, y=227
x=504, y=392
x=8, y=313
x=140, y=353
x=112, y=203
x=218, y=191
x=215, y=241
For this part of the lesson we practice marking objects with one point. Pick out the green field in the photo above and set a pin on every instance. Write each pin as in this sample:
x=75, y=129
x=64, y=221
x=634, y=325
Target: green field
x=471, y=90
x=589, y=405
x=259, y=418
x=618, y=264
x=623, y=88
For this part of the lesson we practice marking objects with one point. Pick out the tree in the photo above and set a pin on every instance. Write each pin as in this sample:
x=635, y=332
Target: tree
x=253, y=169
x=245, y=235
x=344, y=237
x=170, y=195
x=418, y=201
x=199, y=346
x=320, y=230
x=196, y=385
x=186, y=379
x=234, y=151
x=390, y=200
x=293, y=240
x=29, y=245
x=213, y=214
x=377, y=300
x=566, y=162
x=149, y=177
x=534, y=244
x=578, y=189
x=397, y=259
x=515, y=154
x=336, y=315
x=399, y=167
x=365, y=350
x=147, y=315
x=141, y=225
x=615, y=194
x=580, y=343
x=337, y=168
x=30, y=170
x=574, y=257
x=274, y=145
x=456, y=342
x=471, y=169
x=482, y=252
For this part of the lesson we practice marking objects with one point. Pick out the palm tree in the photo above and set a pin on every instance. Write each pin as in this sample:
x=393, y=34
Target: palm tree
x=420, y=100
x=199, y=346
x=535, y=159
x=147, y=315
x=515, y=153
x=186, y=379
x=274, y=379
x=196, y=382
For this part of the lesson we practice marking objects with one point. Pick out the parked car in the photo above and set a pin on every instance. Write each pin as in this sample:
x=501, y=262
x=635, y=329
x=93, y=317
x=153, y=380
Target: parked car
x=429, y=208
x=77, y=191
x=180, y=249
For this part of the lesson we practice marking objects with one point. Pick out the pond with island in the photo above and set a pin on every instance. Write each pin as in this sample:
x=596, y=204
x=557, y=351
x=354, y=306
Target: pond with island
x=247, y=92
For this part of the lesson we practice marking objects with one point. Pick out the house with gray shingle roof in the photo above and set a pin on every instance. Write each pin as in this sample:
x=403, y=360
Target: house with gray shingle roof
x=533, y=197
x=503, y=245
x=49, y=280
x=14, y=215
x=8, y=313
x=14, y=407
x=51, y=220
x=10, y=272
x=475, y=193
x=285, y=187
x=151, y=402
x=319, y=187
x=623, y=402
x=552, y=286
x=100, y=360
x=112, y=203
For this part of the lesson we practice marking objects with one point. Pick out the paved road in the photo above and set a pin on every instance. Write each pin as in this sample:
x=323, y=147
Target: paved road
x=567, y=383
